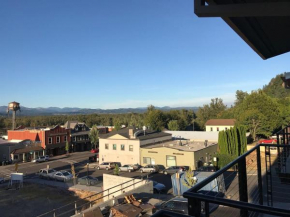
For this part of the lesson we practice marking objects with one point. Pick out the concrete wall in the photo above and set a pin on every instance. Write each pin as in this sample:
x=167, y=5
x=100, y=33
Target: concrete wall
x=195, y=135
x=111, y=181
x=145, y=188
x=214, y=128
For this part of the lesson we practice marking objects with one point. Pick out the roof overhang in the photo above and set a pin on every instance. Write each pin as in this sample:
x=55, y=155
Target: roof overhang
x=263, y=25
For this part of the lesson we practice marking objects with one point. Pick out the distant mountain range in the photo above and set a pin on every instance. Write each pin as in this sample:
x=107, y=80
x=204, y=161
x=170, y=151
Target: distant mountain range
x=25, y=111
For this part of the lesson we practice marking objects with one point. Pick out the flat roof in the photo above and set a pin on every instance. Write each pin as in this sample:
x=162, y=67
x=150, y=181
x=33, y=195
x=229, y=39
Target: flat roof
x=263, y=25
x=176, y=144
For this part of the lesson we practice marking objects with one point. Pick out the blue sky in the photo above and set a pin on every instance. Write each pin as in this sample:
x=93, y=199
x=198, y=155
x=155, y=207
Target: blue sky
x=123, y=53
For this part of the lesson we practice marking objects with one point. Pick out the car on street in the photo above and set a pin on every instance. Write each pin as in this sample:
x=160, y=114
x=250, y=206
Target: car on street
x=207, y=169
x=175, y=169
x=268, y=141
x=127, y=168
x=88, y=180
x=117, y=163
x=46, y=173
x=40, y=159
x=95, y=150
x=158, y=187
x=63, y=176
x=94, y=158
x=149, y=169
x=137, y=166
x=106, y=166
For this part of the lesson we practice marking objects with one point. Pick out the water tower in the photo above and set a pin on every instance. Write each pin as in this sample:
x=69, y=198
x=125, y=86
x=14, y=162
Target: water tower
x=13, y=107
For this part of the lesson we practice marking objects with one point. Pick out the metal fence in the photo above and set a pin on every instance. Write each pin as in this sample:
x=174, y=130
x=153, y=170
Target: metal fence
x=256, y=183
x=87, y=202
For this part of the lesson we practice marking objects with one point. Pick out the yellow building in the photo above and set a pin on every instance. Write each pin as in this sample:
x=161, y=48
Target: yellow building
x=178, y=153
x=219, y=124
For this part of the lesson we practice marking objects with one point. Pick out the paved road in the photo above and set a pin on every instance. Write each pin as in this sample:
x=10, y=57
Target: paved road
x=80, y=160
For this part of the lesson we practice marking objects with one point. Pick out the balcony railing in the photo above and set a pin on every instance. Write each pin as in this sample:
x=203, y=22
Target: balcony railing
x=255, y=183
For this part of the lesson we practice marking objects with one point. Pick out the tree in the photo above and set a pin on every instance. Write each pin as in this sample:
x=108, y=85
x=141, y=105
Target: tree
x=260, y=114
x=94, y=136
x=188, y=180
x=117, y=125
x=155, y=119
x=211, y=111
x=67, y=147
x=240, y=96
x=116, y=170
x=173, y=125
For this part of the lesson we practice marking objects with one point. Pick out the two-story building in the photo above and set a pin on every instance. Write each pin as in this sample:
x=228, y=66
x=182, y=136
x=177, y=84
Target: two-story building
x=52, y=140
x=124, y=145
x=79, y=133
x=219, y=124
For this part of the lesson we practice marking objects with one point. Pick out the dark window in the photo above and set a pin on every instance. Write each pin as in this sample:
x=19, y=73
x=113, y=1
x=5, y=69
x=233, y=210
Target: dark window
x=122, y=147
x=130, y=147
x=114, y=147
x=106, y=146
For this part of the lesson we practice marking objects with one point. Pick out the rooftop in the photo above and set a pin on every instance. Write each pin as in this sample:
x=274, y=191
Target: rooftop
x=220, y=122
x=138, y=133
x=181, y=145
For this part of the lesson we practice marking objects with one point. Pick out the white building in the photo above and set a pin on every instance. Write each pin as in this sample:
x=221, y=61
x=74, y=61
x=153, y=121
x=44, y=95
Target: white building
x=219, y=124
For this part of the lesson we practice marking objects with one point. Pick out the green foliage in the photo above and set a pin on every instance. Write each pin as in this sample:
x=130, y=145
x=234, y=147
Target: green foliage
x=232, y=143
x=173, y=125
x=155, y=119
x=188, y=180
x=116, y=170
x=67, y=147
x=210, y=111
x=260, y=113
x=94, y=136
x=275, y=88
x=117, y=125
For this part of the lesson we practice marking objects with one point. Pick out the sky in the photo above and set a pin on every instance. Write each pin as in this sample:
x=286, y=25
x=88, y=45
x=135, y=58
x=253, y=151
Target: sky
x=123, y=53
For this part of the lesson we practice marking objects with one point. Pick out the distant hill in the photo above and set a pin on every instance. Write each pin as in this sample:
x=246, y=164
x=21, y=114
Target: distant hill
x=25, y=111
x=275, y=88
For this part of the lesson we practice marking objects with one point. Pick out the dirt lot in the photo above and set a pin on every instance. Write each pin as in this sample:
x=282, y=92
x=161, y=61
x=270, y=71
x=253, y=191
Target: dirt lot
x=33, y=200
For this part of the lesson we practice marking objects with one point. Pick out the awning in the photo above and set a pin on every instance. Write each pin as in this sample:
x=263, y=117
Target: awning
x=27, y=150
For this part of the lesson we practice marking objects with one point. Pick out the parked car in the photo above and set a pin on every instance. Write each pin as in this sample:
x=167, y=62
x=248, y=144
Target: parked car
x=177, y=204
x=158, y=187
x=117, y=163
x=175, y=169
x=46, y=173
x=40, y=159
x=106, y=166
x=127, y=168
x=207, y=169
x=137, y=166
x=149, y=169
x=161, y=168
x=94, y=158
x=268, y=141
x=63, y=176
x=2, y=180
x=95, y=150
x=88, y=180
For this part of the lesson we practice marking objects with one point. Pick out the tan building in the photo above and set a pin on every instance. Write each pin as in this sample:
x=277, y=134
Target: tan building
x=124, y=145
x=178, y=153
x=219, y=124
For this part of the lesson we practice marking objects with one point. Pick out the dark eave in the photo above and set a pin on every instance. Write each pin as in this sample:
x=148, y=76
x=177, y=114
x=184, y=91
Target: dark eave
x=263, y=25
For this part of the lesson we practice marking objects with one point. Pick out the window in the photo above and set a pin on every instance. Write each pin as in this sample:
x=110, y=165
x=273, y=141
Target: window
x=114, y=147
x=122, y=147
x=58, y=139
x=211, y=129
x=170, y=160
x=217, y=129
x=130, y=147
x=49, y=140
x=75, y=138
x=65, y=138
x=146, y=160
x=106, y=146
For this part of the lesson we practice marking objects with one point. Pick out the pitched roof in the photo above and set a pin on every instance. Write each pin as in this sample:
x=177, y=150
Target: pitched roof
x=72, y=124
x=220, y=122
x=149, y=134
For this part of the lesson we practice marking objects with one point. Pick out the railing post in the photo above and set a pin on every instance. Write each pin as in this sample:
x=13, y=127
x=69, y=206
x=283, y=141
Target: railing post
x=259, y=170
x=90, y=201
x=194, y=207
x=243, y=186
x=206, y=208
x=54, y=214
x=76, y=211
x=108, y=194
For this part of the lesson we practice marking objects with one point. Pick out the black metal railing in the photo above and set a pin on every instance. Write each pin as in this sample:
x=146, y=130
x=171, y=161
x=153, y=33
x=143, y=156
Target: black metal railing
x=254, y=184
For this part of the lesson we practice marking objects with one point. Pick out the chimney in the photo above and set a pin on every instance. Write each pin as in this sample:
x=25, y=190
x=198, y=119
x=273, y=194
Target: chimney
x=131, y=133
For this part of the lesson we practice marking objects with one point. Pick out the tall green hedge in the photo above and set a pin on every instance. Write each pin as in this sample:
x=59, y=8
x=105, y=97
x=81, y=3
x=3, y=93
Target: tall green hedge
x=232, y=143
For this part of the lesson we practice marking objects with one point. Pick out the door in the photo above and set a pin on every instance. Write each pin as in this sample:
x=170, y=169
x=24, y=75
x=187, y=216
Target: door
x=170, y=161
